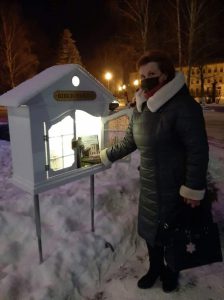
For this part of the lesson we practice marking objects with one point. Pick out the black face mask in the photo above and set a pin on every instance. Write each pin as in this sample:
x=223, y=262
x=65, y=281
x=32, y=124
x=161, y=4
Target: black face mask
x=148, y=84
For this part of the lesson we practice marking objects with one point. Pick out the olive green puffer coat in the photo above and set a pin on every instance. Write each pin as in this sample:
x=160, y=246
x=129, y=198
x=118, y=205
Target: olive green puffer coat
x=173, y=159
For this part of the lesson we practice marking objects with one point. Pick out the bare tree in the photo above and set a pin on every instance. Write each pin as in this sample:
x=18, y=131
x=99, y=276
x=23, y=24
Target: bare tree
x=176, y=7
x=202, y=82
x=194, y=10
x=179, y=34
x=17, y=61
x=138, y=12
x=200, y=70
x=201, y=18
x=68, y=52
x=201, y=38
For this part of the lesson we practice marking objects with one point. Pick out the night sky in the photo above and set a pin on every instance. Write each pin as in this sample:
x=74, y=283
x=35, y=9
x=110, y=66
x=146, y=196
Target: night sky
x=94, y=22
x=89, y=20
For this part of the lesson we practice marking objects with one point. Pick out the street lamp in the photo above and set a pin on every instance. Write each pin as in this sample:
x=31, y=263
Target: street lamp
x=136, y=82
x=108, y=77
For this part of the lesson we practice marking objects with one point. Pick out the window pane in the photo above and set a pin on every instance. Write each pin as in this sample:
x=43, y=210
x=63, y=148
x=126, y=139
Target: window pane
x=55, y=145
x=67, y=145
x=87, y=124
x=60, y=138
x=56, y=163
x=65, y=126
x=68, y=161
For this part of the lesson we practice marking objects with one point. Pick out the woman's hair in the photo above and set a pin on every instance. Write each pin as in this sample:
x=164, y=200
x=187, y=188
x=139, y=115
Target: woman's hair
x=164, y=62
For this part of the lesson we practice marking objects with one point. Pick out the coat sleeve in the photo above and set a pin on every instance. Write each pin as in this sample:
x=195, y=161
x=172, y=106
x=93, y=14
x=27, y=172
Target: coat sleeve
x=192, y=133
x=121, y=149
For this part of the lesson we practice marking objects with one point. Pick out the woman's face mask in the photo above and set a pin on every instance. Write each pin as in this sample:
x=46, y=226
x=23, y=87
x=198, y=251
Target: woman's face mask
x=148, y=84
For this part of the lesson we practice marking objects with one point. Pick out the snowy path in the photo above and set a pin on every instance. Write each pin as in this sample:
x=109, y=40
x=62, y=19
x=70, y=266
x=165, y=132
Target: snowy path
x=204, y=283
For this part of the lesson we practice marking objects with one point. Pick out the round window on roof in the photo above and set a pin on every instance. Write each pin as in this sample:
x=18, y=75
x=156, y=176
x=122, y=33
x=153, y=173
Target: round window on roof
x=75, y=80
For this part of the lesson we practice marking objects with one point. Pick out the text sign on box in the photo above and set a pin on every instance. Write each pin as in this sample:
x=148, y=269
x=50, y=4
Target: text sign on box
x=74, y=95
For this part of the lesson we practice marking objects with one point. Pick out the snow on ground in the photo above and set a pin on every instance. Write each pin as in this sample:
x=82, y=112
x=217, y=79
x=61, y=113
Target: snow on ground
x=75, y=258
x=205, y=282
x=77, y=265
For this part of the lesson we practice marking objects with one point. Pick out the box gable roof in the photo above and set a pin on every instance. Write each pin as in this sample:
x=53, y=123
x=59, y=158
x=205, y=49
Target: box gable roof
x=27, y=90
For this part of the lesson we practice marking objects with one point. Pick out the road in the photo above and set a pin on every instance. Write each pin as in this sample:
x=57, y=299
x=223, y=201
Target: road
x=215, y=125
x=218, y=108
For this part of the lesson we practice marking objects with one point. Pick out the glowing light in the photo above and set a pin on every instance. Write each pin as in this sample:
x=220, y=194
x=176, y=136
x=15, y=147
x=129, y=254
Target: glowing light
x=87, y=124
x=75, y=80
x=120, y=88
x=136, y=82
x=123, y=86
x=60, y=136
x=108, y=76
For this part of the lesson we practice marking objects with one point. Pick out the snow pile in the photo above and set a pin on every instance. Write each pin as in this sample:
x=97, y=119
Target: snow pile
x=75, y=259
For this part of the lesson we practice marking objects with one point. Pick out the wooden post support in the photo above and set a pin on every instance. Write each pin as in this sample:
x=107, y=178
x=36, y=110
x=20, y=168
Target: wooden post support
x=92, y=201
x=38, y=225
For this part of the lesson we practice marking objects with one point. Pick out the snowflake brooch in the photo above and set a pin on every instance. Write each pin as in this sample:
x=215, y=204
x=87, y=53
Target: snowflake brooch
x=190, y=247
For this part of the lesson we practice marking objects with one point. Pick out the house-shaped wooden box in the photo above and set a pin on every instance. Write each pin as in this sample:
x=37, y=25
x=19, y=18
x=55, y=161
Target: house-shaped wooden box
x=53, y=117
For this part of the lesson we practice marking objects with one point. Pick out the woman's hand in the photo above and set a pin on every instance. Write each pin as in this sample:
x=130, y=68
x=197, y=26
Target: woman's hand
x=192, y=203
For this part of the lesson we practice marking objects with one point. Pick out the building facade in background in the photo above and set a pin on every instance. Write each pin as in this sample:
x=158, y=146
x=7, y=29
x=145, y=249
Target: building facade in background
x=209, y=77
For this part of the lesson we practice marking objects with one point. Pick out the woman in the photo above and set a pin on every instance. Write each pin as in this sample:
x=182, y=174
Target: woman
x=168, y=129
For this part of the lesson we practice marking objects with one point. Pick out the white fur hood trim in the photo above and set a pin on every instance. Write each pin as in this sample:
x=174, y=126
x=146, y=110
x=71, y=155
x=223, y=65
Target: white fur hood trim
x=140, y=99
x=166, y=92
x=104, y=158
x=192, y=194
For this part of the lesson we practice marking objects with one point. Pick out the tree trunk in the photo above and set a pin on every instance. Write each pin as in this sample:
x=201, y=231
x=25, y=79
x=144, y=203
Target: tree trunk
x=138, y=12
x=202, y=81
x=193, y=11
x=145, y=26
x=8, y=36
x=179, y=35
